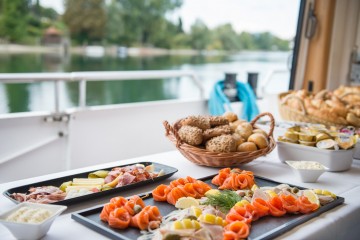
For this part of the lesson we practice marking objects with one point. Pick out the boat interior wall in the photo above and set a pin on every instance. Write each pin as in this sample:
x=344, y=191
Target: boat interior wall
x=325, y=57
x=124, y=132
x=319, y=45
x=303, y=48
x=91, y=136
x=344, y=40
x=27, y=142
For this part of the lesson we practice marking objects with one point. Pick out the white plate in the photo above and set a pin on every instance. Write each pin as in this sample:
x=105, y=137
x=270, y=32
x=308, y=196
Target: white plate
x=31, y=230
x=333, y=160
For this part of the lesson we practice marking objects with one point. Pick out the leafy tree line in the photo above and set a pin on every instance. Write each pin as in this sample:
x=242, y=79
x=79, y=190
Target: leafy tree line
x=126, y=23
x=23, y=21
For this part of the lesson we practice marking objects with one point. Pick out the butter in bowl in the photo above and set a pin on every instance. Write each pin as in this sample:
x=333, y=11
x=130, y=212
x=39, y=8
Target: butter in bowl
x=307, y=171
x=30, y=220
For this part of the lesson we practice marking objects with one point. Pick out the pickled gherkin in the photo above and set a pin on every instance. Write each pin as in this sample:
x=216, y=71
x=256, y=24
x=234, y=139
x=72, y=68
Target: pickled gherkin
x=99, y=174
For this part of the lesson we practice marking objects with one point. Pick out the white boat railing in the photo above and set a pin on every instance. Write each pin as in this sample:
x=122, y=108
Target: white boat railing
x=84, y=77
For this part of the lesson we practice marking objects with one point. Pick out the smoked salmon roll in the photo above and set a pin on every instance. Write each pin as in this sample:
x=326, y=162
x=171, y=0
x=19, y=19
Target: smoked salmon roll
x=105, y=212
x=305, y=206
x=261, y=206
x=289, y=203
x=119, y=218
x=276, y=208
x=160, y=193
x=236, y=230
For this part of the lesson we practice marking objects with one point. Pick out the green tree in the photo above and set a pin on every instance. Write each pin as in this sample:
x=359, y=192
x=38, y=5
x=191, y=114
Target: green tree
x=114, y=24
x=199, y=35
x=227, y=36
x=246, y=41
x=13, y=19
x=144, y=20
x=85, y=19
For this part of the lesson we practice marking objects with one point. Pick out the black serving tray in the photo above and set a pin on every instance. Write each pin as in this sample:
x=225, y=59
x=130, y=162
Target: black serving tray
x=264, y=228
x=169, y=171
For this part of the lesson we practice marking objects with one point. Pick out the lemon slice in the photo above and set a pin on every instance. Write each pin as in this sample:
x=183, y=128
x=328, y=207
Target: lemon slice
x=254, y=187
x=186, y=202
x=212, y=192
x=311, y=195
x=195, y=211
x=271, y=193
x=324, y=192
x=242, y=203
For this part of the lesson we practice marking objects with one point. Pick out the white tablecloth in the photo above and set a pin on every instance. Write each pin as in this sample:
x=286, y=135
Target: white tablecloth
x=342, y=222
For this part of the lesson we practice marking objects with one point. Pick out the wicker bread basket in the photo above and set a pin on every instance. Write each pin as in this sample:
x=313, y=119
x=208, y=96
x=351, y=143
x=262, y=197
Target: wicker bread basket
x=290, y=114
x=204, y=157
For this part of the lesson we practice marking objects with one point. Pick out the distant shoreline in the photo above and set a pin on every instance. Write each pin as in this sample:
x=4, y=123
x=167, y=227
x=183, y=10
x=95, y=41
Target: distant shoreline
x=107, y=50
x=6, y=49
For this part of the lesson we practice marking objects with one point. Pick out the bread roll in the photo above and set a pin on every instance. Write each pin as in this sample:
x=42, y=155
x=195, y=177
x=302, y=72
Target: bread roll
x=235, y=124
x=217, y=131
x=244, y=130
x=247, y=147
x=258, y=130
x=201, y=122
x=238, y=139
x=230, y=116
x=191, y=135
x=218, y=121
x=223, y=143
x=259, y=139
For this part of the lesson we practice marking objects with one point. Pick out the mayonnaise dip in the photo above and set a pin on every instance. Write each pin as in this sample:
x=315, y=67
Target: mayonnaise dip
x=29, y=215
x=311, y=165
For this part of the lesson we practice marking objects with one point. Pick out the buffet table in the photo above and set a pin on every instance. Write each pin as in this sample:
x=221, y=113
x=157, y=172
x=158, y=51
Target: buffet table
x=340, y=223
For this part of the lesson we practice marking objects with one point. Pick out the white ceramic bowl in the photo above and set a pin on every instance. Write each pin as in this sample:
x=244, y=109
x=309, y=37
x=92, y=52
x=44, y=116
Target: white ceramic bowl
x=307, y=175
x=31, y=230
x=333, y=160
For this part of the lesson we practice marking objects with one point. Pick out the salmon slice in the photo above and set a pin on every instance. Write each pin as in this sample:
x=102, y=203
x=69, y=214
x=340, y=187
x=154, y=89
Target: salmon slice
x=305, y=206
x=261, y=206
x=289, y=203
x=140, y=220
x=119, y=218
x=241, y=230
x=219, y=179
x=160, y=193
x=188, y=190
x=130, y=205
x=238, y=213
x=154, y=213
x=253, y=211
x=201, y=188
x=276, y=208
x=105, y=212
x=118, y=201
x=174, y=195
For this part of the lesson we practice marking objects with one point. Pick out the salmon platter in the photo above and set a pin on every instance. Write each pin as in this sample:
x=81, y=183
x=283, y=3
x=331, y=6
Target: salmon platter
x=90, y=185
x=233, y=204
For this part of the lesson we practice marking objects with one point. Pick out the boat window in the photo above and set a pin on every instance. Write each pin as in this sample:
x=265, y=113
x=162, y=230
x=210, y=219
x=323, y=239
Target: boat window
x=255, y=39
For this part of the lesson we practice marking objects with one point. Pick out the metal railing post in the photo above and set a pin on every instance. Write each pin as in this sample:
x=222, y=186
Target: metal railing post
x=57, y=97
x=82, y=93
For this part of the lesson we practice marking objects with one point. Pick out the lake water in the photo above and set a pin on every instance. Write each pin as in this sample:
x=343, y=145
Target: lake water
x=209, y=69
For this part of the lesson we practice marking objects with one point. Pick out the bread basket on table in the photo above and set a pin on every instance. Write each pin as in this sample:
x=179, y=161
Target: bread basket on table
x=204, y=157
x=292, y=114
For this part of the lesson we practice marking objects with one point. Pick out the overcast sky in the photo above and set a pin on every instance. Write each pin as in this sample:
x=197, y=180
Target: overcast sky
x=276, y=16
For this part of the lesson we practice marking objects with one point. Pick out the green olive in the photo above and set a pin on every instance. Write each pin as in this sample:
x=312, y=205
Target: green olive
x=137, y=208
x=191, y=217
x=295, y=190
x=172, y=237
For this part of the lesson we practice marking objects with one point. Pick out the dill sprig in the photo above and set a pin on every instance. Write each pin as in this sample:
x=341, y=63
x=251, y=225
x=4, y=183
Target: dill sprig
x=224, y=200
